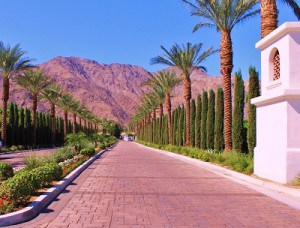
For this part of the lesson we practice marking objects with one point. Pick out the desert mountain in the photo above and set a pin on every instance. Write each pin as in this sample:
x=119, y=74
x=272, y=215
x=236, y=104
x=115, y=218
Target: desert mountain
x=108, y=90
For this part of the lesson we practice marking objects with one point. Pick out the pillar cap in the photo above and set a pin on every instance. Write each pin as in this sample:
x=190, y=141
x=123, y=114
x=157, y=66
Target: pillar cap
x=277, y=34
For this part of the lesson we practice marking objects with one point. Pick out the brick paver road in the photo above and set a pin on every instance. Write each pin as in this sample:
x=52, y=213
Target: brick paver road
x=131, y=186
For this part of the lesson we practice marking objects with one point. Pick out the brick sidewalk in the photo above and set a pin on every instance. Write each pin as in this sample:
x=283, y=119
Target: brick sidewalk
x=131, y=186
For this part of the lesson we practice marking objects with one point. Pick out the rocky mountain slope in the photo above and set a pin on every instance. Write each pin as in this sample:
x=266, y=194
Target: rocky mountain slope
x=108, y=90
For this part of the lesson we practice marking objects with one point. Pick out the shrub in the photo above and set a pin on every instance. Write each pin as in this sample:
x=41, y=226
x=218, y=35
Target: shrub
x=6, y=171
x=88, y=152
x=78, y=141
x=7, y=204
x=56, y=170
x=21, y=147
x=21, y=186
x=297, y=181
x=61, y=155
x=4, y=149
x=13, y=148
x=44, y=174
x=33, y=161
x=101, y=146
x=48, y=173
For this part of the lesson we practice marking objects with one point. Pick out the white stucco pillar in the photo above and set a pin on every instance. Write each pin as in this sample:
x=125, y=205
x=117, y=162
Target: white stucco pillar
x=277, y=152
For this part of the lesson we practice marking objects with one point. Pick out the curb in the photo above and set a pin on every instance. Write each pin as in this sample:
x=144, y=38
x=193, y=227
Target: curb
x=32, y=210
x=287, y=195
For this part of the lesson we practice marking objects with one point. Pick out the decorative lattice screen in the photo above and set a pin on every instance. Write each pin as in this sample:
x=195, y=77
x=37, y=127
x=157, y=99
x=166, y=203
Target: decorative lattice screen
x=276, y=66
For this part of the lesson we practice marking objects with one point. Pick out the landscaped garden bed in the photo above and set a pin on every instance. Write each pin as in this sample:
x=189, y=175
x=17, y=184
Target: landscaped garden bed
x=236, y=161
x=18, y=188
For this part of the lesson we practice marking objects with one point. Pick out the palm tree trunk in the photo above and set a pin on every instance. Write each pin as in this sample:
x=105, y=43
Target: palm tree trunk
x=34, y=122
x=161, y=110
x=80, y=126
x=145, y=129
x=149, y=133
x=187, y=96
x=226, y=69
x=269, y=15
x=74, y=123
x=154, y=126
x=65, y=123
x=5, y=96
x=169, y=108
x=52, y=124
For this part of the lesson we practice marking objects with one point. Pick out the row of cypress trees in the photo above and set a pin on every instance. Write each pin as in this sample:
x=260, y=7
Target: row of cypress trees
x=19, y=127
x=207, y=120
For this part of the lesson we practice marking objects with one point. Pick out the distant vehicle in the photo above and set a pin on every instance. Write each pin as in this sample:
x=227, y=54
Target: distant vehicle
x=128, y=138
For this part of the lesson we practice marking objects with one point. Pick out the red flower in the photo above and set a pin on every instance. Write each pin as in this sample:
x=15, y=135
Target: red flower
x=1, y=202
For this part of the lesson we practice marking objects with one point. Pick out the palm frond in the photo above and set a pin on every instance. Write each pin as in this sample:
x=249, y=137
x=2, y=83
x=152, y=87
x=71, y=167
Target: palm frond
x=293, y=4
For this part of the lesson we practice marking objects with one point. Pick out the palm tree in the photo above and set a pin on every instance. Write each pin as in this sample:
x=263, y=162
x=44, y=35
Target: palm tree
x=269, y=15
x=186, y=58
x=34, y=81
x=81, y=109
x=224, y=15
x=156, y=88
x=65, y=101
x=151, y=100
x=141, y=116
x=52, y=94
x=166, y=81
x=12, y=61
x=75, y=109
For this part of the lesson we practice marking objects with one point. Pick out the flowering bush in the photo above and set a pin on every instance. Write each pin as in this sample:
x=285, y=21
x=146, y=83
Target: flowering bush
x=71, y=164
x=6, y=202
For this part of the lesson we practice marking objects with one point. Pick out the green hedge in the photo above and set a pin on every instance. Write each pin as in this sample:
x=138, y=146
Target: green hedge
x=236, y=161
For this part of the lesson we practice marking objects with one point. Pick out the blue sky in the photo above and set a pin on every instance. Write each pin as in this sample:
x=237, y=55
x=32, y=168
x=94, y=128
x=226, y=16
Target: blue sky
x=119, y=31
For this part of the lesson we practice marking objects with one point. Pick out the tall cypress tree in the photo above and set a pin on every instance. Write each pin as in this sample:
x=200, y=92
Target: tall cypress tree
x=27, y=126
x=210, y=122
x=253, y=92
x=11, y=125
x=160, y=124
x=21, y=126
x=157, y=130
x=16, y=125
x=238, y=113
x=44, y=129
x=219, y=121
x=48, y=129
x=203, y=119
x=198, y=122
x=192, y=122
x=179, y=129
x=61, y=127
x=174, y=125
x=38, y=129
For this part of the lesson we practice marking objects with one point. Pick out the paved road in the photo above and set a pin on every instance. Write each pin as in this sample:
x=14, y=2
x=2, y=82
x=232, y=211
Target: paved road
x=17, y=158
x=131, y=186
